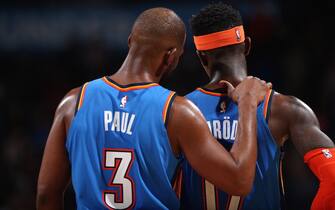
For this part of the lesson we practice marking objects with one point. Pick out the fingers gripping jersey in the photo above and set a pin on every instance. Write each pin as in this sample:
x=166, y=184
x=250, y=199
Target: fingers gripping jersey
x=119, y=148
x=222, y=118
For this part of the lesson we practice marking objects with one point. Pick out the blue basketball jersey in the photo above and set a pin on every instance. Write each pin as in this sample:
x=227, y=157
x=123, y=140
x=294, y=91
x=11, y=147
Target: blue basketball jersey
x=222, y=117
x=119, y=149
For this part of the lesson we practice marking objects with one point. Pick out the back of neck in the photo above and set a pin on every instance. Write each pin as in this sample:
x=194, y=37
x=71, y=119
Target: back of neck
x=137, y=68
x=233, y=72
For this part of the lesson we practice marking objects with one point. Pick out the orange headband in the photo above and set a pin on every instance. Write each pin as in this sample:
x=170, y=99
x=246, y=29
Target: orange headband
x=220, y=39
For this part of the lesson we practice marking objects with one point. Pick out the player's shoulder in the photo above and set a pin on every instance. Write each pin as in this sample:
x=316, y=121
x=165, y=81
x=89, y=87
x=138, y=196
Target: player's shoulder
x=183, y=109
x=69, y=100
x=289, y=106
x=67, y=106
x=288, y=101
x=182, y=102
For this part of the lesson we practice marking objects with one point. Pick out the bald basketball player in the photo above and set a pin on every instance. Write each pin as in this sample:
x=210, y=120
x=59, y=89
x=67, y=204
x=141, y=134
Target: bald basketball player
x=222, y=46
x=120, y=137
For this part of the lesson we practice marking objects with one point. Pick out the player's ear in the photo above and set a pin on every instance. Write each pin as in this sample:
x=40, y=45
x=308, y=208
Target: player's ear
x=203, y=58
x=247, y=43
x=129, y=40
x=170, y=57
x=169, y=62
x=204, y=61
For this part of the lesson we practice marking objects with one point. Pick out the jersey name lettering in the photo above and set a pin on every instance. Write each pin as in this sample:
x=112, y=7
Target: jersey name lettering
x=225, y=129
x=119, y=122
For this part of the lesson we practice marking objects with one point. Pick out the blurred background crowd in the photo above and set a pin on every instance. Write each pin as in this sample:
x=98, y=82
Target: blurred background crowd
x=48, y=47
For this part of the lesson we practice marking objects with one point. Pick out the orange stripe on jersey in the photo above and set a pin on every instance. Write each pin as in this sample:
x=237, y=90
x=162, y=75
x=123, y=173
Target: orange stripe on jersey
x=166, y=106
x=82, y=94
x=266, y=103
x=137, y=87
x=210, y=92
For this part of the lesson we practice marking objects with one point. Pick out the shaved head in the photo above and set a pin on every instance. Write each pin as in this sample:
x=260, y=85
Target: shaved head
x=159, y=24
x=156, y=42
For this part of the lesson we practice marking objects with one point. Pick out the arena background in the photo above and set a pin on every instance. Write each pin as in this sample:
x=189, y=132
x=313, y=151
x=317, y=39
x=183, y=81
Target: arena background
x=48, y=47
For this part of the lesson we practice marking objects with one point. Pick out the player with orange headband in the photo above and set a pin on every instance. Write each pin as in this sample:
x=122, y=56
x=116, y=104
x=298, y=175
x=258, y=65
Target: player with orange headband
x=222, y=46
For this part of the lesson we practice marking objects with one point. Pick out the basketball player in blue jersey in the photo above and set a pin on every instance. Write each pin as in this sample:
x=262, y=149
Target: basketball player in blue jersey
x=222, y=47
x=120, y=137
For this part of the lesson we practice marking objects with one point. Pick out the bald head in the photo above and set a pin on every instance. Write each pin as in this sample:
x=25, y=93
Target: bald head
x=156, y=42
x=159, y=24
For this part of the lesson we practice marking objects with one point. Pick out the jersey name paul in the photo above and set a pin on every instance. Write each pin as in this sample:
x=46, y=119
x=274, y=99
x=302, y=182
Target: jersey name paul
x=119, y=122
x=223, y=129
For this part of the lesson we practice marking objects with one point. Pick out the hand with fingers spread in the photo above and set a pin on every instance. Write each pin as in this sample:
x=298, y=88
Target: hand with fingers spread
x=251, y=88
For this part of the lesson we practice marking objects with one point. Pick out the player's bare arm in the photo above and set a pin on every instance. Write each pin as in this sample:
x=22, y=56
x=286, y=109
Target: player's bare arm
x=189, y=134
x=292, y=119
x=54, y=174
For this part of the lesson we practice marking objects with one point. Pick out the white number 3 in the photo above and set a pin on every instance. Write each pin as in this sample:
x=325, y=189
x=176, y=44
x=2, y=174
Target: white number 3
x=119, y=161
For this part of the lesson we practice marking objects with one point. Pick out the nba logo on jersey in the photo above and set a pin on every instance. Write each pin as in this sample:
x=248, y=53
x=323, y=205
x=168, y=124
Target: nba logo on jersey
x=223, y=107
x=327, y=153
x=124, y=101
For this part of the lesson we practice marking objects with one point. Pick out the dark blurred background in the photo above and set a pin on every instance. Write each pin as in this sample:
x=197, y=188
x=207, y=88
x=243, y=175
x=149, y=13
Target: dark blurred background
x=48, y=47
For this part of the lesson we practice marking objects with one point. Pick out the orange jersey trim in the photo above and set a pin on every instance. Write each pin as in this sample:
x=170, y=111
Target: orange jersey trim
x=136, y=87
x=220, y=39
x=266, y=103
x=210, y=92
x=82, y=95
x=166, y=106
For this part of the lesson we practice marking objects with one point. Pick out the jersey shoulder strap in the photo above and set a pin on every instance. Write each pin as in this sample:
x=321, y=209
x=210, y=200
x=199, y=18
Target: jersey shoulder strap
x=267, y=105
x=167, y=107
x=80, y=97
